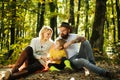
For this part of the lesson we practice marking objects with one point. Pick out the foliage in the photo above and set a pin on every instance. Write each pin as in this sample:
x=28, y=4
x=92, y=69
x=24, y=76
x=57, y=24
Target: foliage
x=26, y=18
x=18, y=47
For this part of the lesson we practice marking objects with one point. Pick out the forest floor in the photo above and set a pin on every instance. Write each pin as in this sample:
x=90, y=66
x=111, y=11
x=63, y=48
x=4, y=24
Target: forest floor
x=75, y=75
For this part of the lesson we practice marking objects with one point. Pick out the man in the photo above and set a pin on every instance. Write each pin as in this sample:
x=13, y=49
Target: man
x=85, y=50
x=82, y=57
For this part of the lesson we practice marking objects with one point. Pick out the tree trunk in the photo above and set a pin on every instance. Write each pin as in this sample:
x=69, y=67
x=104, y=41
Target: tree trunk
x=2, y=26
x=97, y=37
x=40, y=17
x=86, y=19
x=118, y=17
x=53, y=18
x=78, y=16
x=71, y=19
x=113, y=21
x=12, y=30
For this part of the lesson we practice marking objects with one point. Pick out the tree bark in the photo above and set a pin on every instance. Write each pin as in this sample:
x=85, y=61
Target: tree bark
x=71, y=19
x=86, y=19
x=40, y=17
x=113, y=21
x=2, y=26
x=78, y=16
x=53, y=18
x=12, y=29
x=118, y=18
x=97, y=38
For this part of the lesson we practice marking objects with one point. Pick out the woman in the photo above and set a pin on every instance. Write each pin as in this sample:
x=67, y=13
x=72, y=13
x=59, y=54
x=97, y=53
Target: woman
x=34, y=56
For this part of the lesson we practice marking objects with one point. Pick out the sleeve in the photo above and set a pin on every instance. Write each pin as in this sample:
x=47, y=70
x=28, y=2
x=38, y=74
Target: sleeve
x=32, y=44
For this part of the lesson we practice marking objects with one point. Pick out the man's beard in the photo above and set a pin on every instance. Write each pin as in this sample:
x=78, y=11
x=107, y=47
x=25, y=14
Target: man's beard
x=65, y=36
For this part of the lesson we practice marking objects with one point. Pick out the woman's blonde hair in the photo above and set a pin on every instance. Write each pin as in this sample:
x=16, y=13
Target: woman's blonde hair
x=44, y=30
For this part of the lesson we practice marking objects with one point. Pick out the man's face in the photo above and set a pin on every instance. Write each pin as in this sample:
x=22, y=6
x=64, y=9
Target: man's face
x=64, y=32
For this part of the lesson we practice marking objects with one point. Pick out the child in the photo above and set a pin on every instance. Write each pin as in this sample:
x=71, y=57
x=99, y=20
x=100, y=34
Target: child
x=58, y=57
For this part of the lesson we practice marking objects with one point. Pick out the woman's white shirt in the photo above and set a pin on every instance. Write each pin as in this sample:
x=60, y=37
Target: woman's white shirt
x=40, y=49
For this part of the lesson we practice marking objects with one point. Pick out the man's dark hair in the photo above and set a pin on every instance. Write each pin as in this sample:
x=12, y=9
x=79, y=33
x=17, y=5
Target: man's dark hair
x=66, y=25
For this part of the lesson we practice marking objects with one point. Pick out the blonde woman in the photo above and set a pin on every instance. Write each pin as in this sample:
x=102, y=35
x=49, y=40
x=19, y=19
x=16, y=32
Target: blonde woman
x=34, y=56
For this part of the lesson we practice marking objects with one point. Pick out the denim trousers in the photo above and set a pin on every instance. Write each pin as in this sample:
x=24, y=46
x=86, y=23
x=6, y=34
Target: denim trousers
x=86, y=59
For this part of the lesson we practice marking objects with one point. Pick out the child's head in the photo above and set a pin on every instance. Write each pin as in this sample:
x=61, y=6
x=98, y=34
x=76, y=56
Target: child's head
x=60, y=43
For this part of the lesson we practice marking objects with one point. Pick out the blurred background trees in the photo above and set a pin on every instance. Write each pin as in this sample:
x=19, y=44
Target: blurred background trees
x=21, y=20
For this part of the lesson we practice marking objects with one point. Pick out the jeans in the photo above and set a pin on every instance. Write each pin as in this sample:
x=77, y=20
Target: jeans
x=86, y=52
x=86, y=59
x=81, y=62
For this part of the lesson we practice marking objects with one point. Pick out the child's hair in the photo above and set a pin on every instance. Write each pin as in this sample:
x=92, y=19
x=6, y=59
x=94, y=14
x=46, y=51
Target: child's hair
x=61, y=41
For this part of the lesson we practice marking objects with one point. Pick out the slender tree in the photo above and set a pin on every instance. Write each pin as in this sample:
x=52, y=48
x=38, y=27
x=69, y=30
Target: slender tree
x=113, y=22
x=40, y=16
x=86, y=19
x=78, y=16
x=2, y=25
x=53, y=18
x=12, y=29
x=71, y=19
x=97, y=37
x=118, y=17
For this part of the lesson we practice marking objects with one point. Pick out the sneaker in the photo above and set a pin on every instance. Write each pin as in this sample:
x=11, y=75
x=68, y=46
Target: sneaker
x=7, y=75
x=112, y=75
x=86, y=72
x=68, y=70
x=52, y=68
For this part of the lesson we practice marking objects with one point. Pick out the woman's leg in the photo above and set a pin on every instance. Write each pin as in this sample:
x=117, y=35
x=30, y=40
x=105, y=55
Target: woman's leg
x=28, y=70
x=32, y=64
x=25, y=56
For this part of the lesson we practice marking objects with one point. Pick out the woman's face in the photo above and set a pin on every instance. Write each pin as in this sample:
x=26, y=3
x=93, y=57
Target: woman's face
x=47, y=35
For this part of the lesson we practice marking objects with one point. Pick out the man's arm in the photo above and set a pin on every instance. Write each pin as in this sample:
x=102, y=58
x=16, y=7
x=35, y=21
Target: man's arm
x=77, y=40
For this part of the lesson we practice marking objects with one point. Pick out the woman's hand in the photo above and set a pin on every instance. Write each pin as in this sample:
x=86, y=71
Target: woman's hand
x=44, y=58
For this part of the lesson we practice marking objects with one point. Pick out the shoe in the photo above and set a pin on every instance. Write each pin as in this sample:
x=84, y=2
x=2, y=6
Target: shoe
x=67, y=64
x=7, y=75
x=112, y=75
x=15, y=69
x=52, y=68
x=86, y=72
x=68, y=70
